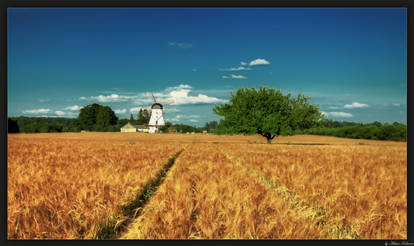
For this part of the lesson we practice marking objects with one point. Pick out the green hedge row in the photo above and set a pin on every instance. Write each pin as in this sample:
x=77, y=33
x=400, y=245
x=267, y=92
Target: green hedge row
x=395, y=131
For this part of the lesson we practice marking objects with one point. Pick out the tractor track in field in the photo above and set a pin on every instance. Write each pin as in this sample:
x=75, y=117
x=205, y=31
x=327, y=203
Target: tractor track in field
x=115, y=226
x=322, y=216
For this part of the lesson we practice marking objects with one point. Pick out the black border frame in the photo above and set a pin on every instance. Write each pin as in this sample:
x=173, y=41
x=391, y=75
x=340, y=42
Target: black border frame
x=193, y=4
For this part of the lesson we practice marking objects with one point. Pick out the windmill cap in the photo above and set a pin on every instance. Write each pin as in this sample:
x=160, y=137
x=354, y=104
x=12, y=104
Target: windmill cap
x=156, y=106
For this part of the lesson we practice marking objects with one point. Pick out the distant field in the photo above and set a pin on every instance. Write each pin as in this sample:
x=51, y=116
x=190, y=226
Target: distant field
x=137, y=185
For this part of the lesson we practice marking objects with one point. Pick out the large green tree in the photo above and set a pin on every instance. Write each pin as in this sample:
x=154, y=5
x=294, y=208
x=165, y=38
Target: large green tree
x=267, y=112
x=105, y=118
x=96, y=117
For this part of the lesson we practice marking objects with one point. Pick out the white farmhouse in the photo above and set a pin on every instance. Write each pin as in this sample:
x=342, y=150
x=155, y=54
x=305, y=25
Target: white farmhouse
x=134, y=128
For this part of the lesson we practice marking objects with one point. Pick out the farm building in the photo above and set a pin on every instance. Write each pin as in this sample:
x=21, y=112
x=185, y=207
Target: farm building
x=134, y=128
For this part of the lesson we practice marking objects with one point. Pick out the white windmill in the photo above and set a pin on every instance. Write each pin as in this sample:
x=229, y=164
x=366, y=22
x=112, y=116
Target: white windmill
x=156, y=119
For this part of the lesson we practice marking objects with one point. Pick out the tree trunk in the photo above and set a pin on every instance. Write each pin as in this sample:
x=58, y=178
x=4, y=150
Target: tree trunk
x=270, y=138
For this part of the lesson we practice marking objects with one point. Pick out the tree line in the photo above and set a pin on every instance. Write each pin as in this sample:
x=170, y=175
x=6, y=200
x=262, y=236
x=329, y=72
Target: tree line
x=263, y=111
x=93, y=117
x=375, y=130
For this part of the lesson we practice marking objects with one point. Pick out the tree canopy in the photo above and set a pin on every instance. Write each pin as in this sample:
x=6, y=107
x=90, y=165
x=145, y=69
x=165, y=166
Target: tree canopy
x=96, y=117
x=211, y=126
x=267, y=112
x=143, y=117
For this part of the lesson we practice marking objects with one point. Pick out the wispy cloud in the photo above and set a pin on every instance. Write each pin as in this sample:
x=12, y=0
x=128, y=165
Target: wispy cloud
x=355, y=105
x=171, y=110
x=108, y=98
x=59, y=113
x=240, y=68
x=120, y=111
x=37, y=111
x=182, y=117
x=44, y=100
x=137, y=109
x=243, y=63
x=180, y=45
x=194, y=69
x=259, y=62
x=337, y=114
x=333, y=107
x=73, y=108
x=232, y=76
x=396, y=104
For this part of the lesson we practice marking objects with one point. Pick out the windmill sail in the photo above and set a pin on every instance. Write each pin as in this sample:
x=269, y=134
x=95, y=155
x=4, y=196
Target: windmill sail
x=153, y=98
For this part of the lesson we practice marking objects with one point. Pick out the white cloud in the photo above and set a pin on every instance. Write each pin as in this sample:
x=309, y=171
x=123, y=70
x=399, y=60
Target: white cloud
x=73, y=108
x=180, y=96
x=108, y=98
x=337, y=114
x=232, y=76
x=333, y=107
x=180, y=45
x=259, y=62
x=135, y=109
x=240, y=68
x=37, y=111
x=44, y=100
x=396, y=104
x=171, y=110
x=60, y=113
x=176, y=95
x=243, y=63
x=120, y=111
x=355, y=105
x=238, y=77
x=179, y=117
x=181, y=86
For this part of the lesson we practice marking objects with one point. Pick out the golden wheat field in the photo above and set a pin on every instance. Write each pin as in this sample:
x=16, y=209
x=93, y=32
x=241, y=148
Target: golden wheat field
x=186, y=186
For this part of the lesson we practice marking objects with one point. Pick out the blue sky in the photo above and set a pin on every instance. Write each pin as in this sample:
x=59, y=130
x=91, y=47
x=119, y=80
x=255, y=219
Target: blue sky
x=352, y=61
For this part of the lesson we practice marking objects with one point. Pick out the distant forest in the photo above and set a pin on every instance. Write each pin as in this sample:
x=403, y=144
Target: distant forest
x=375, y=130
